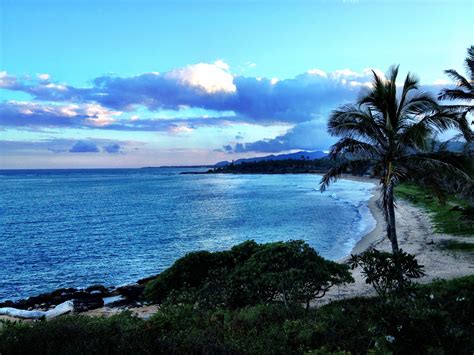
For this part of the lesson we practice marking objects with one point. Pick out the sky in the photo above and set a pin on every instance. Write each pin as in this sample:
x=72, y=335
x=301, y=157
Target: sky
x=114, y=83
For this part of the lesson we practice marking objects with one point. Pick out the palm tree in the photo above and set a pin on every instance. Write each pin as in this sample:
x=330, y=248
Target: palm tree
x=464, y=90
x=389, y=132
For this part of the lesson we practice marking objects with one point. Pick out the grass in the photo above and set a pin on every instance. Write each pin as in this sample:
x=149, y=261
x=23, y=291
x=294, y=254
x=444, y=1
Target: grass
x=458, y=246
x=447, y=216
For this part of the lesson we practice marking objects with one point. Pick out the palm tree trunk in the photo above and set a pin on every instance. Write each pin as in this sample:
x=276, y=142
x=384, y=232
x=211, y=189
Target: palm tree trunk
x=390, y=217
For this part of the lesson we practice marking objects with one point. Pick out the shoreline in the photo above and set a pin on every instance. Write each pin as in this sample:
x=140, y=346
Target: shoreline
x=373, y=237
x=113, y=288
x=416, y=236
x=415, y=233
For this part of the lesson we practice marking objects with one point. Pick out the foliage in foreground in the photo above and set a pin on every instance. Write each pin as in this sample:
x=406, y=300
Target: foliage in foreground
x=436, y=318
x=291, y=273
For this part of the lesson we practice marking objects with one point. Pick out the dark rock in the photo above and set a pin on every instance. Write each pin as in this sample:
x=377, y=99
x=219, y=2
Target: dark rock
x=131, y=292
x=97, y=289
x=146, y=280
x=63, y=292
x=7, y=303
x=86, y=304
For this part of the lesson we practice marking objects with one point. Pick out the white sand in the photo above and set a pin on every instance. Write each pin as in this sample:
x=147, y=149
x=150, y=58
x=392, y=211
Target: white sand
x=415, y=236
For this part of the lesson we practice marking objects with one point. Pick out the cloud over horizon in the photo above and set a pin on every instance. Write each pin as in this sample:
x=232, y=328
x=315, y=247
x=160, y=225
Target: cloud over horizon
x=204, y=86
x=111, y=103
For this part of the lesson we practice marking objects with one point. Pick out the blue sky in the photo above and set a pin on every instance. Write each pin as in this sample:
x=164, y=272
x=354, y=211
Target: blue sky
x=135, y=83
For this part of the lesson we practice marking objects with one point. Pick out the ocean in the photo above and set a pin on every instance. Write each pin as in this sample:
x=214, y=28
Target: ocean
x=76, y=228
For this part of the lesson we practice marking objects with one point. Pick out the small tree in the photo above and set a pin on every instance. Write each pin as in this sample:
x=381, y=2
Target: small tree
x=290, y=271
x=388, y=272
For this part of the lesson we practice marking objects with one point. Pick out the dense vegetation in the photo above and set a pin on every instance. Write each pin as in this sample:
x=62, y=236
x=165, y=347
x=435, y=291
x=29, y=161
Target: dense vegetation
x=291, y=273
x=284, y=166
x=435, y=318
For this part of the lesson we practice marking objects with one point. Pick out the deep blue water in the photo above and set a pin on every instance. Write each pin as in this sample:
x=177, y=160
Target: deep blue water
x=74, y=228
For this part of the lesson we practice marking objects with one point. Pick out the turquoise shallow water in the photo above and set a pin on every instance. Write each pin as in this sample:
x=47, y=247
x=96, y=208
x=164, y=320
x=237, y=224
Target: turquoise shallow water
x=74, y=228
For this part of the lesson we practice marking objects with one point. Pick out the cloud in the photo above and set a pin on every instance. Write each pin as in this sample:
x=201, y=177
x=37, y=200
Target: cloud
x=31, y=114
x=311, y=135
x=212, y=78
x=139, y=103
x=227, y=148
x=209, y=86
x=84, y=147
x=35, y=115
x=66, y=146
x=43, y=77
x=113, y=148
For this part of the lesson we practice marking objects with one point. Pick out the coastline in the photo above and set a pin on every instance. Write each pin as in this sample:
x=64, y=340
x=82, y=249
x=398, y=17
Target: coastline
x=416, y=236
x=415, y=233
x=376, y=234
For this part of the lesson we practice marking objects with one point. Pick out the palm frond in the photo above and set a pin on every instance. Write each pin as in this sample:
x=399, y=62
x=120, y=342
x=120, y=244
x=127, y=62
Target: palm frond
x=353, y=146
x=458, y=108
x=469, y=62
x=352, y=121
x=334, y=173
x=415, y=136
x=419, y=104
x=411, y=83
x=443, y=120
x=436, y=164
x=455, y=94
x=460, y=81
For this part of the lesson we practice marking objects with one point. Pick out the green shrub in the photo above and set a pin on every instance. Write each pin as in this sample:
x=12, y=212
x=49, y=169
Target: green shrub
x=387, y=272
x=435, y=318
x=248, y=274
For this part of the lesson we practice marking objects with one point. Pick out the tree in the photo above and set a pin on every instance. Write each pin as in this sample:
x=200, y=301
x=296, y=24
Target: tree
x=464, y=90
x=249, y=274
x=389, y=131
x=388, y=272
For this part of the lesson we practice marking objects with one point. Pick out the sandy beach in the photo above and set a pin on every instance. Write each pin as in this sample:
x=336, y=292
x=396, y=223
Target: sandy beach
x=416, y=236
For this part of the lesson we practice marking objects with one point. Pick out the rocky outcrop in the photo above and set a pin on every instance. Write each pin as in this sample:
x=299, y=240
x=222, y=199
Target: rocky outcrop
x=79, y=300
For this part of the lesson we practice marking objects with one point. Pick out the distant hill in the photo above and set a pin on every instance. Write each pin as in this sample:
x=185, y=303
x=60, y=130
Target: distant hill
x=296, y=156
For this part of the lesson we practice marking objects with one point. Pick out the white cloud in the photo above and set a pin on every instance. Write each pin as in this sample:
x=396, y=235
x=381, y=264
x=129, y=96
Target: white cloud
x=99, y=116
x=43, y=77
x=6, y=80
x=318, y=72
x=212, y=78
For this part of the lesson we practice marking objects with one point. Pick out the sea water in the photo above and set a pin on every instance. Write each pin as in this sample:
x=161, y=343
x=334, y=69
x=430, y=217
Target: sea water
x=76, y=228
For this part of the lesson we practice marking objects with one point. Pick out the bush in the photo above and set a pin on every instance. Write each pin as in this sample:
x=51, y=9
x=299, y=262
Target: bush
x=387, y=272
x=436, y=318
x=248, y=274
x=75, y=335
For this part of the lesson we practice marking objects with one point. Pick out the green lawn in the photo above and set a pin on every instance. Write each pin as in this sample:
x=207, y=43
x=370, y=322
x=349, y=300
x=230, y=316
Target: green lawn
x=447, y=217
